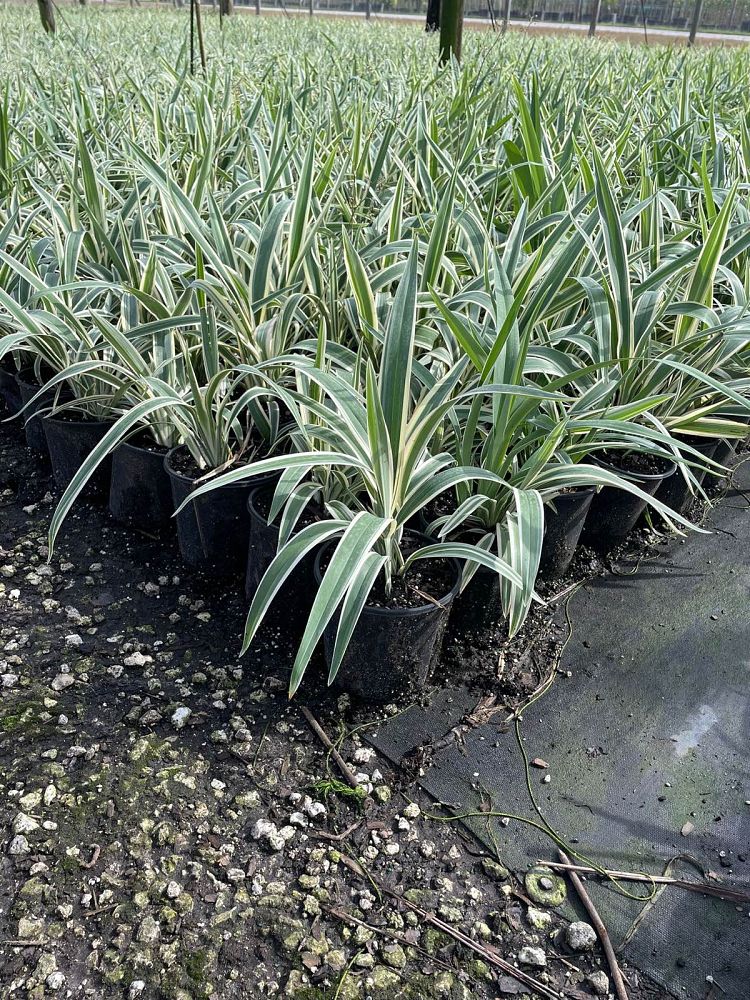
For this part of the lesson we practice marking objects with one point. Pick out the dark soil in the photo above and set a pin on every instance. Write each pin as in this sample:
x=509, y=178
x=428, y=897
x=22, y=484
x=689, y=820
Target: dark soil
x=636, y=461
x=144, y=753
x=434, y=578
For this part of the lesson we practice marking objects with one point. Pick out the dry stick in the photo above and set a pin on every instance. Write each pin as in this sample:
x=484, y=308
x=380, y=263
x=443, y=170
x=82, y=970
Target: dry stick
x=601, y=930
x=704, y=888
x=325, y=740
x=487, y=952
x=337, y=837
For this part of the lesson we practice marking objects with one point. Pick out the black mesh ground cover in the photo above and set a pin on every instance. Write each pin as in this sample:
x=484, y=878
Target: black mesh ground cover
x=650, y=733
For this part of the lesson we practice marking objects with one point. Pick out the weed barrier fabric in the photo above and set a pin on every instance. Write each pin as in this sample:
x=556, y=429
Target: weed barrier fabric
x=648, y=750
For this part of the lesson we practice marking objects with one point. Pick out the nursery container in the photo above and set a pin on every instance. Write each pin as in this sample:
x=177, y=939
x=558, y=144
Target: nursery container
x=674, y=491
x=140, y=492
x=70, y=440
x=392, y=650
x=298, y=591
x=726, y=450
x=564, y=518
x=9, y=391
x=614, y=512
x=188, y=536
x=220, y=517
x=479, y=606
x=28, y=387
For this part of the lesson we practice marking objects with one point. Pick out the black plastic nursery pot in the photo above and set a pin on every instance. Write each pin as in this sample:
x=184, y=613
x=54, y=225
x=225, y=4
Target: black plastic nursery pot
x=215, y=534
x=478, y=607
x=725, y=452
x=188, y=536
x=70, y=440
x=564, y=518
x=297, y=593
x=10, y=394
x=614, y=512
x=140, y=493
x=392, y=650
x=28, y=387
x=674, y=491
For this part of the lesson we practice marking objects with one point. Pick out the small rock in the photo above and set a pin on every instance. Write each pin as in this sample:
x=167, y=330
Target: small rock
x=580, y=936
x=24, y=824
x=528, y=955
x=19, y=846
x=62, y=681
x=55, y=981
x=149, y=931
x=180, y=716
x=136, y=988
x=599, y=983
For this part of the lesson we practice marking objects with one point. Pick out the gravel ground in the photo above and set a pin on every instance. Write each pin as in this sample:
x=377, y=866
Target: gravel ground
x=171, y=827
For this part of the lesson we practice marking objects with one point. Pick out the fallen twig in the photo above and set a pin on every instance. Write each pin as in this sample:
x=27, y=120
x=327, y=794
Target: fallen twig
x=337, y=837
x=326, y=741
x=99, y=909
x=705, y=888
x=487, y=952
x=601, y=930
x=23, y=943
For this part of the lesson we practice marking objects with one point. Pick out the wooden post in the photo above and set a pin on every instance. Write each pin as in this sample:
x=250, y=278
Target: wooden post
x=595, y=11
x=506, y=15
x=695, y=23
x=451, y=29
x=47, y=14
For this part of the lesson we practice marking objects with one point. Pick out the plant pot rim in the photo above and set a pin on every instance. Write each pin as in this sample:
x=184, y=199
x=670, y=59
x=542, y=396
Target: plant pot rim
x=648, y=477
x=85, y=422
x=573, y=491
x=157, y=452
x=251, y=482
x=423, y=609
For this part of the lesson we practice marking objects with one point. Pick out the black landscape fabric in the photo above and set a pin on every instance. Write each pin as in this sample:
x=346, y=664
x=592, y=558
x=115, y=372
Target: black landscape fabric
x=648, y=750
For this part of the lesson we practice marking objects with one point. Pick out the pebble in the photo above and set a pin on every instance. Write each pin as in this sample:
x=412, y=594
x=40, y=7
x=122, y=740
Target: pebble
x=599, y=983
x=580, y=936
x=24, y=824
x=180, y=716
x=19, y=846
x=62, y=681
x=528, y=955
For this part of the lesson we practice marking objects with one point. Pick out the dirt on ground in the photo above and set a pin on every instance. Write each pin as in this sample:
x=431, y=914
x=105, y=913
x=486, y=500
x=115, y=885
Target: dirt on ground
x=172, y=827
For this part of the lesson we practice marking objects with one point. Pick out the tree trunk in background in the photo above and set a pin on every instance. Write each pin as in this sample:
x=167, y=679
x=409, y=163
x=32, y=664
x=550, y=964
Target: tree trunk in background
x=226, y=7
x=595, y=11
x=695, y=23
x=47, y=14
x=506, y=15
x=433, y=15
x=451, y=29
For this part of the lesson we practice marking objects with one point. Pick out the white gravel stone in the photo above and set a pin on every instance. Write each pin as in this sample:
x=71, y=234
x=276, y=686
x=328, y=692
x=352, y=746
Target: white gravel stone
x=62, y=681
x=136, y=988
x=180, y=716
x=24, y=824
x=55, y=981
x=19, y=846
x=173, y=889
x=528, y=955
x=580, y=936
x=599, y=983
